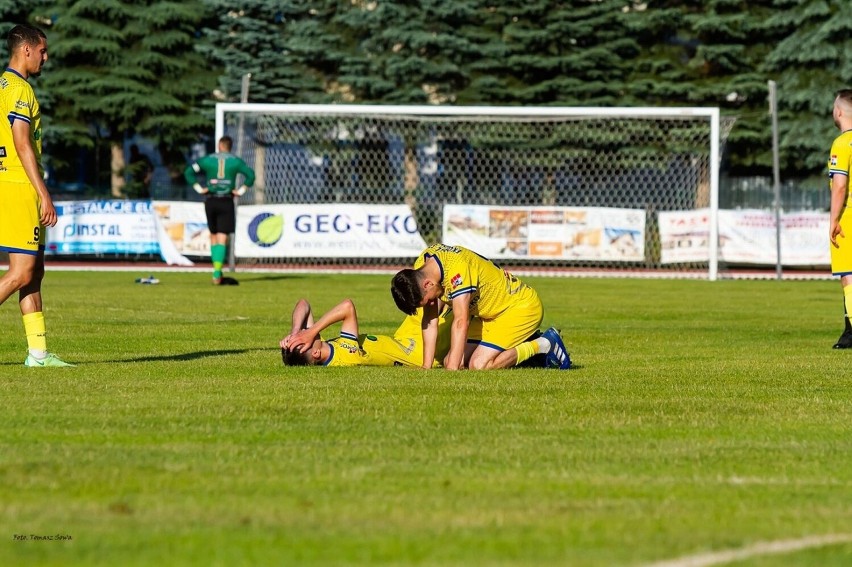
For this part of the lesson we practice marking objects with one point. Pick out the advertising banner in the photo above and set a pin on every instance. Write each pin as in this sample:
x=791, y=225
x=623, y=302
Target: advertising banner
x=185, y=223
x=749, y=236
x=684, y=236
x=331, y=230
x=547, y=233
x=746, y=237
x=103, y=227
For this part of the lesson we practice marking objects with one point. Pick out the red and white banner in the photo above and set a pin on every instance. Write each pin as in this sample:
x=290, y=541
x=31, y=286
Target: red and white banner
x=746, y=237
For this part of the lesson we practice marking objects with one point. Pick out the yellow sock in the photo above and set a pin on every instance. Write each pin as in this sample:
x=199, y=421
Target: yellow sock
x=35, y=331
x=847, y=299
x=526, y=351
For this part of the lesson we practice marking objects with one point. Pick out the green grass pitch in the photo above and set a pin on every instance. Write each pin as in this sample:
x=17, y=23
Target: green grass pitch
x=702, y=417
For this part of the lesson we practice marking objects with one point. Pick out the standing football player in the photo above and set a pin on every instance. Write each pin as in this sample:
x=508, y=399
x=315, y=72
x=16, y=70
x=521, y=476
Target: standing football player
x=26, y=208
x=221, y=170
x=839, y=164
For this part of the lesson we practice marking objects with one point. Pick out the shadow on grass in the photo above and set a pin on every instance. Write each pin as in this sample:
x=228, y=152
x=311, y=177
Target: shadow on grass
x=171, y=357
x=188, y=356
x=252, y=278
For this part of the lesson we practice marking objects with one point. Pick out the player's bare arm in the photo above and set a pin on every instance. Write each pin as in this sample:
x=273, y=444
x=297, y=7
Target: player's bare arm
x=23, y=145
x=458, y=332
x=429, y=327
x=343, y=311
x=839, y=188
x=301, y=318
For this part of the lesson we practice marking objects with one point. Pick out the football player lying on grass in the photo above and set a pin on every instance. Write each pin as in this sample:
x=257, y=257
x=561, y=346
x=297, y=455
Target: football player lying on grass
x=304, y=346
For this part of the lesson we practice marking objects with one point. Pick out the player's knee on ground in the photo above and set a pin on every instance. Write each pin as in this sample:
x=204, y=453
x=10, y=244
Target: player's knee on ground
x=481, y=361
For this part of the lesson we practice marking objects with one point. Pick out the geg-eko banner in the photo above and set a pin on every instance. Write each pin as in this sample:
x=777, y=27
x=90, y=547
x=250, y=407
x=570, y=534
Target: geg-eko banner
x=557, y=233
x=331, y=230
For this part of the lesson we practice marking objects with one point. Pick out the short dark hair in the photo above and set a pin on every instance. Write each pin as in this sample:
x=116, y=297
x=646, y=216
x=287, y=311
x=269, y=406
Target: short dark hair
x=845, y=95
x=294, y=357
x=405, y=288
x=23, y=34
x=227, y=142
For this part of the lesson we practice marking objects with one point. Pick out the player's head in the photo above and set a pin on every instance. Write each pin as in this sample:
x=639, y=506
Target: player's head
x=295, y=358
x=33, y=42
x=311, y=357
x=407, y=291
x=225, y=144
x=843, y=108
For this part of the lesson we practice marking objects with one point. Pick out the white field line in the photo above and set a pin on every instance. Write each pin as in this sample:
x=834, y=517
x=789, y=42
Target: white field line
x=778, y=547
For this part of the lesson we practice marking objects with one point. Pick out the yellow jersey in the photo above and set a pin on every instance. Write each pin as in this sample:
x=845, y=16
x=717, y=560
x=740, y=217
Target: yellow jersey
x=404, y=348
x=346, y=351
x=840, y=162
x=18, y=102
x=493, y=290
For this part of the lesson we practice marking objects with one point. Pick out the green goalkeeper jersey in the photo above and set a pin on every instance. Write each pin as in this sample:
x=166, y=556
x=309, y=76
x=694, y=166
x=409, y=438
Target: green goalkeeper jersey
x=221, y=170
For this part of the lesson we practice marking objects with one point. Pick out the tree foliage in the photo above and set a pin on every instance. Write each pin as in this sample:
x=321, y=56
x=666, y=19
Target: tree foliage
x=267, y=40
x=810, y=64
x=123, y=67
x=157, y=67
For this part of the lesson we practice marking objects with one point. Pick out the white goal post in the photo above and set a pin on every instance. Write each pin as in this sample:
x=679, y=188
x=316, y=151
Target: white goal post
x=562, y=190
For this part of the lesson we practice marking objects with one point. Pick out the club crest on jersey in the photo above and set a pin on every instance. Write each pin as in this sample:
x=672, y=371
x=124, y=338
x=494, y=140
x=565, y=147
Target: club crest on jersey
x=833, y=160
x=456, y=281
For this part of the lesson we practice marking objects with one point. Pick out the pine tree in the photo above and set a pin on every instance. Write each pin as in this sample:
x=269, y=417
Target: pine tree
x=404, y=52
x=809, y=65
x=274, y=42
x=568, y=53
x=119, y=68
x=710, y=54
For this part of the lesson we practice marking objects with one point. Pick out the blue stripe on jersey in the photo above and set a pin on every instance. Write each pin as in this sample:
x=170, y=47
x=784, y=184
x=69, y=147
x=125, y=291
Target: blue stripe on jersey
x=833, y=172
x=12, y=250
x=440, y=266
x=462, y=291
x=491, y=345
x=15, y=116
x=14, y=72
x=330, y=354
x=348, y=336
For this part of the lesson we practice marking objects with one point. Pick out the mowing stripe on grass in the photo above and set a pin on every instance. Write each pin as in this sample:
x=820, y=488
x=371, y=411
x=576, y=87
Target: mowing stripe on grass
x=777, y=547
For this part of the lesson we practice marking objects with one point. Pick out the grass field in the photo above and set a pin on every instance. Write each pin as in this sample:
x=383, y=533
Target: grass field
x=701, y=418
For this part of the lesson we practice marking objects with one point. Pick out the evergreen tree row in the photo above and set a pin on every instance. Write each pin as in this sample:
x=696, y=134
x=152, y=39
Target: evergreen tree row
x=155, y=68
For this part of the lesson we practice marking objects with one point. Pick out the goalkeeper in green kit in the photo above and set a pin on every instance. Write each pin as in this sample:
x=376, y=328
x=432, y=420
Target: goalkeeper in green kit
x=221, y=170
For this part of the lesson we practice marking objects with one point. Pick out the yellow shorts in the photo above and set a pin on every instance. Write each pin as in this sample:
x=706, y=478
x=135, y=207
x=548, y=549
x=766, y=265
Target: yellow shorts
x=512, y=327
x=405, y=348
x=383, y=350
x=21, y=231
x=841, y=258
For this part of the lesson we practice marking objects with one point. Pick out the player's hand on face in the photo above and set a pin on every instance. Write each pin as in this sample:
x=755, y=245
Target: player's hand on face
x=301, y=341
x=285, y=342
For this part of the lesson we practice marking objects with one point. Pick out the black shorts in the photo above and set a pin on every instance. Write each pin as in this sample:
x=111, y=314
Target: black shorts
x=221, y=214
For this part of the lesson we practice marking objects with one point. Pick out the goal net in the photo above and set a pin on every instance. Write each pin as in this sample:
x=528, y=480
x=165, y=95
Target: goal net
x=587, y=191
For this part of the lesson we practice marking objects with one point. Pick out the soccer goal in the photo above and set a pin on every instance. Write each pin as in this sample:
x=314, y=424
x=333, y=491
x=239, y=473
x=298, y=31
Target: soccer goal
x=585, y=191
